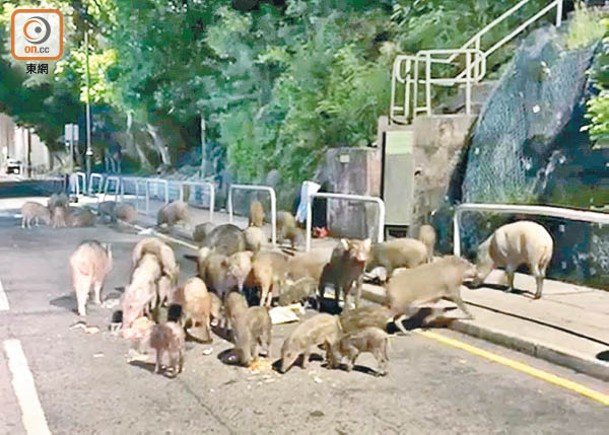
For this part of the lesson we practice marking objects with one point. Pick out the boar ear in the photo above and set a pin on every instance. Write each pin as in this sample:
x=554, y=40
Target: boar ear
x=367, y=243
x=344, y=243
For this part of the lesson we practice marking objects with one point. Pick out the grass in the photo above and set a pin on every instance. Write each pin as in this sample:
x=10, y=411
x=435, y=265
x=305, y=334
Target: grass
x=586, y=28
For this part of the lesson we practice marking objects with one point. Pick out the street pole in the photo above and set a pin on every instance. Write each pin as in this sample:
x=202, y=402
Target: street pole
x=89, y=152
x=202, y=146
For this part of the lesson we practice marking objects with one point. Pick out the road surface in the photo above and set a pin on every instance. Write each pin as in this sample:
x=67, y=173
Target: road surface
x=85, y=385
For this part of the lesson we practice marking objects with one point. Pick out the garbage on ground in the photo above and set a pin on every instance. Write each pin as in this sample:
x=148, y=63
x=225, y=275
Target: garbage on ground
x=146, y=232
x=111, y=303
x=91, y=329
x=98, y=355
x=283, y=314
x=260, y=365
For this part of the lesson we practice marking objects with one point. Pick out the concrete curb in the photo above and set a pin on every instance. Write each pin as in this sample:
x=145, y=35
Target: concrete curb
x=555, y=355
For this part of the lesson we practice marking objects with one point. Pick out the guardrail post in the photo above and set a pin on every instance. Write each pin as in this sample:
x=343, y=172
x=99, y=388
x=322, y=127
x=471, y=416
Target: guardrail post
x=558, y=13
x=456, y=233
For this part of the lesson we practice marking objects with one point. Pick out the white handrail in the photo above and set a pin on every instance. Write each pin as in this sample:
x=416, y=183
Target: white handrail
x=96, y=176
x=160, y=181
x=212, y=194
x=259, y=188
x=362, y=198
x=474, y=71
x=540, y=210
x=79, y=176
x=136, y=181
x=117, y=186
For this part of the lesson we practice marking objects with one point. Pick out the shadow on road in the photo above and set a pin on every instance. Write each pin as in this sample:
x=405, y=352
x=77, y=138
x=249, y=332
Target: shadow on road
x=603, y=356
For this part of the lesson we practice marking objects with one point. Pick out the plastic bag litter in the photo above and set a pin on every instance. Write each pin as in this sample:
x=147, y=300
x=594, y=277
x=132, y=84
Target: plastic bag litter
x=285, y=314
x=146, y=232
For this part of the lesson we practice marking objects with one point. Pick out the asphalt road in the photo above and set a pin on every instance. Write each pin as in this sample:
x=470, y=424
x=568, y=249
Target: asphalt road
x=86, y=386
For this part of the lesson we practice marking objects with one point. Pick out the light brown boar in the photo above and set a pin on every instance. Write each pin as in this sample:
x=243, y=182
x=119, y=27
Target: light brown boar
x=288, y=230
x=58, y=200
x=308, y=264
x=33, y=211
x=196, y=305
x=89, y=265
x=81, y=218
x=251, y=328
x=298, y=291
x=429, y=283
x=321, y=329
x=140, y=296
x=168, y=338
x=172, y=213
x=235, y=306
x=371, y=316
x=126, y=212
x=268, y=273
x=240, y=266
x=59, y=216
x=369, y=339
x=162, y=251
x=345, y=269
x=201, y=231
x=217, y=310
x=392, y=254
x=522, y=242
x=225, y=239
x=427, y=236
x=253, y=237
x=256, y=217
x=164, y=288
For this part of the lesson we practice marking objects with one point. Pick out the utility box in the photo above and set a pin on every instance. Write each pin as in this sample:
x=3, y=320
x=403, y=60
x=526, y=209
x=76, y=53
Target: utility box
x=397, y=180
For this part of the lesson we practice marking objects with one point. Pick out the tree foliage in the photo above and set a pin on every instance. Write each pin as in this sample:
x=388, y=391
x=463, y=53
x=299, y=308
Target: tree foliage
x=277, y=81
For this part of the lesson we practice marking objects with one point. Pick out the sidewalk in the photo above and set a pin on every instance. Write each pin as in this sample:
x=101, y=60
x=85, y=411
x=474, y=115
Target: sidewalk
x=569, y=326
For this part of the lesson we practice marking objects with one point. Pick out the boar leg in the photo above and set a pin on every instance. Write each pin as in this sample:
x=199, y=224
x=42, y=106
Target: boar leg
x=380, y=353
x=97, y=289
x=539, y=276
x=181, y=361
x=510, y=271
x=358, y=291
x=456, y=298
x=305, y=358
x=264, y=291
x=159, y=357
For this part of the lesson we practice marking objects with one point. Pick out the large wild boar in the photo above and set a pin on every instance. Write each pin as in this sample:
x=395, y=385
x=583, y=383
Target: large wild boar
x=163, y=252
x=345, y=269
x=288, y=230
x=251, y=327
x=213, y=269
x=32, y=211
x=172, y=213
x=429, y=283
x=321, y=329
x=397, y=253
x=196, y=305
x=201, y=232
x=369, y=339
x=240, y=266
x=427, y=236
x=522, y=242
x=298, y=291
x=225, y=239
x=256, y=217
x=168, y=338
x=141, y=294
x=89, y=265
x=126, y=212
x=254, y=237
x=81, y=218
x=363, y=317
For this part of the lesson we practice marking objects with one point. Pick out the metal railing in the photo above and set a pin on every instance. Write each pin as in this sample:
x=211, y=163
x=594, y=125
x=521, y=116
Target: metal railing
x=344, y=196
x=404, y=86
x=94, y=176
x=157, y=182
x=75, y=180
x=136, y=181
x=258, y=188
x=117, y=186
x=539, y=210
x=202, y=185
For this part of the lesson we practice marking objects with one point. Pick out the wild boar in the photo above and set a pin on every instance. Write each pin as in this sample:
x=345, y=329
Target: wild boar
x=201, y=231
x=256, y=216
x=427, y=236
x=268, y=273
x=213, y=269
x=345, y=269
x=168, y=338
x=363, y=317
x=126, y=212
x=308, y=264
x=196, y=307
x=59, y=216
x=298, y=291
x=163, y=252
x=81, y=218
x=321, y=329
x=225, y=239
x=89, y=265
x=58, y=200
x=240, y=266
x=396, y=253
x=253, y=236
x=140, y=296
x=288, y=230
x=32, y=211
x=250, y=330
x=429, y=283
x=107, y=210
x=369, y=339
x=172, y=213
x=522, y=242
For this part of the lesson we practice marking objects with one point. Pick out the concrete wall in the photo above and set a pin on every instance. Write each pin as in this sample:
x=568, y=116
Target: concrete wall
x=14, y=142
x=354, y=171
x=439, y=142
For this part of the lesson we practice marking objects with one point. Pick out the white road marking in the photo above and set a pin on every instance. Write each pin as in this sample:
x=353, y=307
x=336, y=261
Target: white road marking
x=3, y=299
x=32, y=415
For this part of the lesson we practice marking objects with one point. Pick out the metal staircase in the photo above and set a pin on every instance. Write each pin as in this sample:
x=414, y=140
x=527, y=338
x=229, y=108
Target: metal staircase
x=414, y=75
